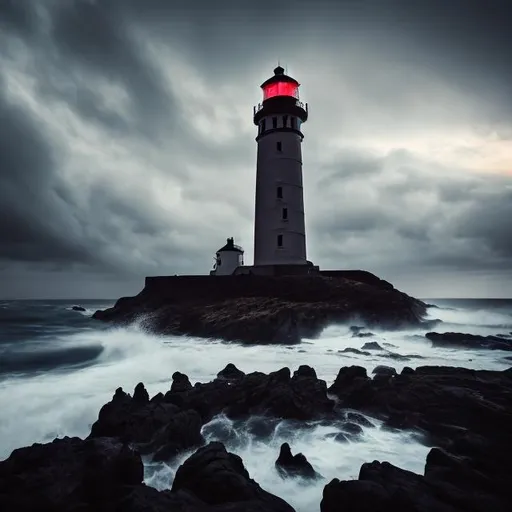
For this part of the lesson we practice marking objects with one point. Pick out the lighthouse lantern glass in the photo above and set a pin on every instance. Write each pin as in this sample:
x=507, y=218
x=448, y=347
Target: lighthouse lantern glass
x=281, y=89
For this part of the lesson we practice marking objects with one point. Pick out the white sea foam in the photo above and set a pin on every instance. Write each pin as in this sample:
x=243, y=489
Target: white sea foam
x=66, y=402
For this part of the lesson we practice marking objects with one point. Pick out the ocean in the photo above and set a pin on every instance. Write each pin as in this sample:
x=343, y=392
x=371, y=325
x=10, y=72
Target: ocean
x=59, y=366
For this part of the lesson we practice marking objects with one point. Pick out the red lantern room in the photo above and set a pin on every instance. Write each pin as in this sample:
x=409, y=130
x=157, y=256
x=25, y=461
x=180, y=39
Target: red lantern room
x=280, y=96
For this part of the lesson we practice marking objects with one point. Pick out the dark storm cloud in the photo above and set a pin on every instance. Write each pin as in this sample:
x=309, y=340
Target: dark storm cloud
x=29, y=222
x=93, y=35
x=16, y=15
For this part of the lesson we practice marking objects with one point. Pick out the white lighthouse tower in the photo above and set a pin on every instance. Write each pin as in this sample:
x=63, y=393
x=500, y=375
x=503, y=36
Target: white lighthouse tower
x=279, y=226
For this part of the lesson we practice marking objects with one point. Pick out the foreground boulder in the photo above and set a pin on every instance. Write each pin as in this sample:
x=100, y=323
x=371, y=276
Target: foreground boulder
x=265, y=309
x=68, y=474
x=217, y=477
x=382, y=487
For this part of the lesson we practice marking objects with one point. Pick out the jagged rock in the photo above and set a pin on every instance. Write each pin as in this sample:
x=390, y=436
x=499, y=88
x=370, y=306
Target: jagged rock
x=78, y=308
x=372, y=345
x=289, y=465
x=231, y=372
x=384, y=370
x=472, y=341
x=352, y=386
x=382, y=487
x=132, y=420
x=182, y=432
x=143, y=498
x=69, y=474
x=355, y=417
x=438, y=400
x=265, y=309
x=350, y=350
x=356, y=332
x=218, y=477
x=140, y=394
x=352, y=428
x=277, y=394
x=180, y=383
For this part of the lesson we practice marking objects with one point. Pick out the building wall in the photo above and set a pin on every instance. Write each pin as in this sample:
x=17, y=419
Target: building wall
x=229, y=261
x=279, y=164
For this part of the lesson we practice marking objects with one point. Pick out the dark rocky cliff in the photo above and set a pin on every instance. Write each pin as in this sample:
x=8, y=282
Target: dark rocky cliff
x=265, y=309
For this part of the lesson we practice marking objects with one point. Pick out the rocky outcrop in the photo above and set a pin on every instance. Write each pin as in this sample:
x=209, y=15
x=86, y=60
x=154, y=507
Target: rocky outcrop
x=450, y=484
x=265, y=309
x=154, y=427
x=169, y=424
x=471, y=341
x=302, y=396
x=441, y=401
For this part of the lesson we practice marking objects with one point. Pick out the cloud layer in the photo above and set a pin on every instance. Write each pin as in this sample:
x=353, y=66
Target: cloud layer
x=127, y=145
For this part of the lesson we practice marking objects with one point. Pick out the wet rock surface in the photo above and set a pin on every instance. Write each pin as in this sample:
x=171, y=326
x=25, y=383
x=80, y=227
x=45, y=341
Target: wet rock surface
x=265, y=309
x=218, y=477
x=471, y=341
x=289, y=465
x=465, y=414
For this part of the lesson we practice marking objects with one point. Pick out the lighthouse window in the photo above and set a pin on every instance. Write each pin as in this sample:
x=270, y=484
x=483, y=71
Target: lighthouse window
x=293, y=122
x=262, y=126
x=274, y=122
x=279, y=192
x=279, y=146
x=285, y=213
x=285, y=121
x=279, y=240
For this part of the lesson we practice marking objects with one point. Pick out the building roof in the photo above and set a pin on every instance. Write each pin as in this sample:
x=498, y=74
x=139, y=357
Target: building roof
x=231, y=247
x=279, y=76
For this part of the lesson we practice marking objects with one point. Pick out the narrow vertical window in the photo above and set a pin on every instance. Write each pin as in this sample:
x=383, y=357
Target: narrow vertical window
x=285, y=213
x=293, y=123
x=279, y=146
x=279, y=192
x=285, y=121
x=279, y=240
x=263, y=126
x=274, y=122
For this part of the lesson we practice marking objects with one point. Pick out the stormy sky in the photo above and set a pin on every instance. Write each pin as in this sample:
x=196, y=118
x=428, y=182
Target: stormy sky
x=127, y=145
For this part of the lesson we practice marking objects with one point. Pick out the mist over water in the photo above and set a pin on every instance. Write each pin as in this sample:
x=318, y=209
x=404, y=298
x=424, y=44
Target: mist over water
x=58, y=367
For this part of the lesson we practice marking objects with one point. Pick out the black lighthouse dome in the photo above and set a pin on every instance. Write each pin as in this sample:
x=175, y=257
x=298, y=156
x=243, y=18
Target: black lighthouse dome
x=280, y=96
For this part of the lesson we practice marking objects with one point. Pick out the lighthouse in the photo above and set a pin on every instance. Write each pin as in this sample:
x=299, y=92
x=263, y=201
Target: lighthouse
x=279, y=224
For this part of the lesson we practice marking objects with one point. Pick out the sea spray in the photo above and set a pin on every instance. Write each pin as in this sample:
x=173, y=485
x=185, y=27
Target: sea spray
x=332, y=459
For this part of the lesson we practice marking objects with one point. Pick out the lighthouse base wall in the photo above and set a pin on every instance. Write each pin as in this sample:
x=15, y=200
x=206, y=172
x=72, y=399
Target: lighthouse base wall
x=277, y=270
x=182, y=288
